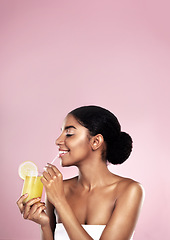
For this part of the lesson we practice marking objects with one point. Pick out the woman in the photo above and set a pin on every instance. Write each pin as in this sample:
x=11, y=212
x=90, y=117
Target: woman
x=96, y=204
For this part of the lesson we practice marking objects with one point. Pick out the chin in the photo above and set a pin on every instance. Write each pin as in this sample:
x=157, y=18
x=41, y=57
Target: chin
x=64, y=164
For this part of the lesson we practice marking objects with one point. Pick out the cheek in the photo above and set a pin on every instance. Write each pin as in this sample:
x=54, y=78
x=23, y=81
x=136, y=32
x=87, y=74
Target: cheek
x=78, y=144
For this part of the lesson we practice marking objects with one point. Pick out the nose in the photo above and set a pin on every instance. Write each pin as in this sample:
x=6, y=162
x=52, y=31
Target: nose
x=59, y=140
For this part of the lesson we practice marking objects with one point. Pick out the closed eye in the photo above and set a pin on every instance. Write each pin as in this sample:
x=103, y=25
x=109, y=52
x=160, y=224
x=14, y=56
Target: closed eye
x=69, y=135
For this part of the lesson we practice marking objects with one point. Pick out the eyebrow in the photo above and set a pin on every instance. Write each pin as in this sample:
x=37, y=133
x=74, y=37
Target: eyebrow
x=67, y=127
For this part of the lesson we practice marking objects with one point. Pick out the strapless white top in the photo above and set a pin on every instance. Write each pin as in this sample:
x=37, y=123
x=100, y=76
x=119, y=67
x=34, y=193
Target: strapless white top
x=95, y=231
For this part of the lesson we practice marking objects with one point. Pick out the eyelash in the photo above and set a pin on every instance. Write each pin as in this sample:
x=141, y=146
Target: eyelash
x=69, y=135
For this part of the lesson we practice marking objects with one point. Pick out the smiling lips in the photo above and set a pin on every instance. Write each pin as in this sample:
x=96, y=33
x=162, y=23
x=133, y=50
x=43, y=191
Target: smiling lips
x=62, y=152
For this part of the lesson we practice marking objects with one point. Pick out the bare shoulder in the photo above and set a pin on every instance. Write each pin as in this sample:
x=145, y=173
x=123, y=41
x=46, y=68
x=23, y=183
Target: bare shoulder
x=130, y=188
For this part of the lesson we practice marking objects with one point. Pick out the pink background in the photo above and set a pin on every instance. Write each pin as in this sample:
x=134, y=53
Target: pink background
x=58, y=55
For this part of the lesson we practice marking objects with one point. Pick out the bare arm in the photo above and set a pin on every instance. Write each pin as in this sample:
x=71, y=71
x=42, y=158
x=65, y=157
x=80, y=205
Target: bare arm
x=53, y=183
x=49, y=230
x=123, y=220
x=34, y=210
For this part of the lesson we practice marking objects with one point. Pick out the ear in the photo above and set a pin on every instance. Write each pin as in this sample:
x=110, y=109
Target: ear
x=96, y=141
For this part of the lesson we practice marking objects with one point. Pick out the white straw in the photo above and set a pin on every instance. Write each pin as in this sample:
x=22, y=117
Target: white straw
x=54, y=159
x=45, y=168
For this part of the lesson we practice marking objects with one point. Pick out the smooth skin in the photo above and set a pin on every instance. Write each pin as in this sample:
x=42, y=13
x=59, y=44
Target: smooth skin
x=95, y=197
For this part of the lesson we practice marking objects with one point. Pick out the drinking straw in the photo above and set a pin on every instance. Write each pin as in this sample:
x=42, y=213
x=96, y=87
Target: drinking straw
x=54, y=159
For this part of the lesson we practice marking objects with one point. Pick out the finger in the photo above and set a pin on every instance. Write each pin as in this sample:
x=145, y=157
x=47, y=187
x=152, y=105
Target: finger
x=37, y=213
x=20, y=202
x=21, y=199
x=47, y=176
x=57, y=172
x=33, y=201
x=28, y=206
x=44, y=181
x=50, y=171
x=35, y=207
x=40, y=209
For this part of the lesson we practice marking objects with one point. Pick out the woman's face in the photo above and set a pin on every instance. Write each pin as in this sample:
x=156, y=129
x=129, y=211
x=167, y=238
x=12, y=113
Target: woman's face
x=74, y=142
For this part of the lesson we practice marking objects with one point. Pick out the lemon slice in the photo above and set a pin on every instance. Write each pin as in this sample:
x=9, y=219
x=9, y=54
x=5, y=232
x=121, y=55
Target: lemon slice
x=27, y=168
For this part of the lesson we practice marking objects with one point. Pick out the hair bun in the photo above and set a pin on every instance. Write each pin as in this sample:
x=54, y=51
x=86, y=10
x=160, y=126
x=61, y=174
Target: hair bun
x=101, y=121
x=121, y=149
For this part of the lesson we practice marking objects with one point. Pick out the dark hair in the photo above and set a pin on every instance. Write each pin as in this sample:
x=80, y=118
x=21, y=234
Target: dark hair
x=101, y=121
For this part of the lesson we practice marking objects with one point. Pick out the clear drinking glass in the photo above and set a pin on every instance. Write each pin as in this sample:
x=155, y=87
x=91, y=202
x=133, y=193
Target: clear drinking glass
x=33, y=186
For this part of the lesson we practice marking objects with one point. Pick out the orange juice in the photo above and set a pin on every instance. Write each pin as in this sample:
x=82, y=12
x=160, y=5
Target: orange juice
x=33, y=186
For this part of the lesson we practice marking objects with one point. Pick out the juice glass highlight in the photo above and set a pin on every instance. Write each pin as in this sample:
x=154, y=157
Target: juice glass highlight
x=33, y=186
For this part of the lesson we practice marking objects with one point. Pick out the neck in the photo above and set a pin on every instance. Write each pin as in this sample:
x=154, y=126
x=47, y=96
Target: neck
x=93, y=173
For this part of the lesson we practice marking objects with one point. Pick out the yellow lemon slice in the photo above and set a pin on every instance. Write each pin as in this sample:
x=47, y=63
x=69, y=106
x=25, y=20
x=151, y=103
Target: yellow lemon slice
x=26, y=169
